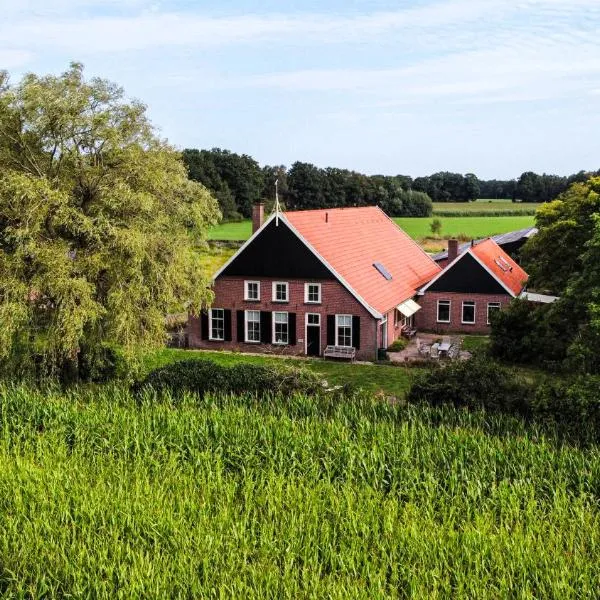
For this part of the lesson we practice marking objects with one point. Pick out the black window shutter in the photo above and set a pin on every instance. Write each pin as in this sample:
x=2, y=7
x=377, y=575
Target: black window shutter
x=331, y=330
x=356, y=332
x=204, y=325
x=265, y=327
x=292, y=328
x=240, y=325
x=227, y=323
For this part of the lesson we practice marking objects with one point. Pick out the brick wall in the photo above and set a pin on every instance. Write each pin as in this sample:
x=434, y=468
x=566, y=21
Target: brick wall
x=426, y=318
x=335, y=299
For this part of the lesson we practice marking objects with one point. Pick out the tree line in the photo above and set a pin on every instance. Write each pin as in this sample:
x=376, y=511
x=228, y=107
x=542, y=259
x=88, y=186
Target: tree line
x=238, y=181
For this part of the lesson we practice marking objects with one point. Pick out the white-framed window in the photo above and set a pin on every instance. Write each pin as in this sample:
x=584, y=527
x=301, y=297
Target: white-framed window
x=281, y=291
x=398, y=317
x=312, y=293
x=468, y=312
x=343, y=330
x=281, y=330
x=492, y=307
x=443, y=311
x=251, y=290
x=252, y=326
x=216, y=324
x=313, y=319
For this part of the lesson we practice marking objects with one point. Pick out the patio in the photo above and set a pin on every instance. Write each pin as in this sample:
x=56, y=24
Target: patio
x=431, y=346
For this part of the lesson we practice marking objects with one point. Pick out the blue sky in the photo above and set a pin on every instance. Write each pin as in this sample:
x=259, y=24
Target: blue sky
x=494, y=87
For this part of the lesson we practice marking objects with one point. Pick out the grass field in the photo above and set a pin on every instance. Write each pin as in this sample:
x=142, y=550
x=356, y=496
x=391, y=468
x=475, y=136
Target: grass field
x=417, y=228
x=102, y=496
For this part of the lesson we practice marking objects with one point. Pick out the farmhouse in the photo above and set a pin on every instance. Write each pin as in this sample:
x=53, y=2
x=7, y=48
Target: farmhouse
x=346, y=282
x=308, y=280
x=474, y=284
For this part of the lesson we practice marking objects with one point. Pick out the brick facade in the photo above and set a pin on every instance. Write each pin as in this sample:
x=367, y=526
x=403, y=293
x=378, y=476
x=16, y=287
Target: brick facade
x=426, y=318
x=335, y=299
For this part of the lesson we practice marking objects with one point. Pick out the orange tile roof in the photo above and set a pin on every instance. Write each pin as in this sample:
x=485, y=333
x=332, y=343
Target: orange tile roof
x=352, y=239
x=501, y=265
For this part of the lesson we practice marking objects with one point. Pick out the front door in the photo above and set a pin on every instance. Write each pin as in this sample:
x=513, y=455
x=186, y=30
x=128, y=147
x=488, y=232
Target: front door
x=313, y=334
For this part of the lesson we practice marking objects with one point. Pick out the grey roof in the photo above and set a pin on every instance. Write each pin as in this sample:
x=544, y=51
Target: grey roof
x=501, y=239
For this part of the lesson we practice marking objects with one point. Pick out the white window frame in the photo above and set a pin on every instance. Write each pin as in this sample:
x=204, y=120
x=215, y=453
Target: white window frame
x=496, y=306
x=318, y=315
x=247, y=295
x=337, y=331
x=437, y=316
x=307, y=287
x=246, y=321
x=287, y=323
x=211, y=337
x=274, y=291
x=462, y=312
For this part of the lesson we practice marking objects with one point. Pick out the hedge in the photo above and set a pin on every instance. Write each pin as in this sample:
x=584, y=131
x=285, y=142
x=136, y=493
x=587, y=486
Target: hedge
x=202, y=376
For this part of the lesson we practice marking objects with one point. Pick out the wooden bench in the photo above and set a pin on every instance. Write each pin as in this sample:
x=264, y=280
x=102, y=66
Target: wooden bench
x=340, y=352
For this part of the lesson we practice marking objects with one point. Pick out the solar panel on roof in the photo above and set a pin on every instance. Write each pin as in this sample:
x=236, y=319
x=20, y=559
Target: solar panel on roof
x=383, y=270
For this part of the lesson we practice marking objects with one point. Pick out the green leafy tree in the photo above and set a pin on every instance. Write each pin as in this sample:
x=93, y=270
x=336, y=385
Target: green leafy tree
x=99, y=225
x=565, y=225
x=471, y=186
x=435, y=226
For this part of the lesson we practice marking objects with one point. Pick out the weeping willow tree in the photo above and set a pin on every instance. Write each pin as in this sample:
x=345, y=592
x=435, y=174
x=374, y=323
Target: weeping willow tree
x=99, y=225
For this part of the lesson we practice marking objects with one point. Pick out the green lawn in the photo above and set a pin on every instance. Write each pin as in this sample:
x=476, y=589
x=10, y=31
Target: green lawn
x=390, y=380
x=417, y=228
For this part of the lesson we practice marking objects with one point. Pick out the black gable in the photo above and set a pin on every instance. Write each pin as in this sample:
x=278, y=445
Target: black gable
x=467, y=276
x=277, y=252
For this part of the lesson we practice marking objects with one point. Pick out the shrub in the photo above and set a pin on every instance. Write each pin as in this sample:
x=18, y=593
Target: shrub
x=574, y=405
x=525, y=332
x=477, y=383
x=202, y=376
x=398, y=345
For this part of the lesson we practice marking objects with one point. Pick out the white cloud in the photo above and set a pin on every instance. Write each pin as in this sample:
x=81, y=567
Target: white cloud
x=46, y=25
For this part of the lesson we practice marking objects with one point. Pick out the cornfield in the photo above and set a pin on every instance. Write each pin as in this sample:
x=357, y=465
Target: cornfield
x=106, y=496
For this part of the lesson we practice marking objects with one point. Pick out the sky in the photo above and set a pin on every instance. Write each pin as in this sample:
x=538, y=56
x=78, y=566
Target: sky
x=493, y=87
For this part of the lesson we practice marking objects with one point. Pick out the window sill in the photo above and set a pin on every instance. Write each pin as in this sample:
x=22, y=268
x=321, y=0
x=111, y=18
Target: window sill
x=312, y=302
x=280, y=301
x=468, y=323
x=216, y=339
x=250, y=300
x=443, y=322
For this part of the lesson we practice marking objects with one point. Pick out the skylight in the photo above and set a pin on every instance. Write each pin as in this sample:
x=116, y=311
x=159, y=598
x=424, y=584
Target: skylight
x=382, y=270
x=503, y=264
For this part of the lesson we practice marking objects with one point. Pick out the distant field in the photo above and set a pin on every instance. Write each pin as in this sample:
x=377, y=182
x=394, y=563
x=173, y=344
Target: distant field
x=484, y=206
x=417, y=228
x=464, y=227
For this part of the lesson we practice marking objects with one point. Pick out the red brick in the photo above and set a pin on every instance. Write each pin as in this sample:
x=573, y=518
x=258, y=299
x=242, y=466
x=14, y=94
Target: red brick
x=426, y=318
x=335, y=299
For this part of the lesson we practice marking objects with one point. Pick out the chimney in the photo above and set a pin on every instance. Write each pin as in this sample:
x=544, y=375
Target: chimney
x=452, y=250
x=258, y=216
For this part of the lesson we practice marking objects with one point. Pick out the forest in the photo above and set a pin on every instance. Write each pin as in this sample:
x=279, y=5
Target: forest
x=237, y=181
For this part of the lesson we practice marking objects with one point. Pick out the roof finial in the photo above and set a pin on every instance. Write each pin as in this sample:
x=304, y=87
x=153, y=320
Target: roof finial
x=277, y=207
